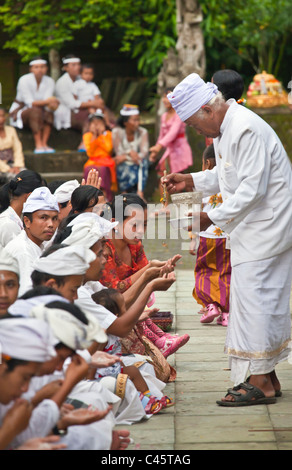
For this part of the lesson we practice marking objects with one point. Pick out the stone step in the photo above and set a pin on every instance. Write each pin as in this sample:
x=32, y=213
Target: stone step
x=65, y=139
x=59, y=165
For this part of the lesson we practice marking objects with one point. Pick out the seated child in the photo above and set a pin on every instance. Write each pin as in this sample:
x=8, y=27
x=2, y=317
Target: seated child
x=113, y=301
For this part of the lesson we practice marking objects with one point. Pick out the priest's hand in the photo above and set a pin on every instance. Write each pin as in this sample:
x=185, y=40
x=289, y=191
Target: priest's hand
x=199, y=217
x=177, y=182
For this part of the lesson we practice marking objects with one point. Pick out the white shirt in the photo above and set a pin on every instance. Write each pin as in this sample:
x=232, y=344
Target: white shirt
x=10, y=226
x=29, y=91
x=254, y=175
x=68, y=103
x=26, y=252
x=85, y=91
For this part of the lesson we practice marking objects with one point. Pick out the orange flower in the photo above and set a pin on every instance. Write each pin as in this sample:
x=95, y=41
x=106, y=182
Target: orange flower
x=217, y=231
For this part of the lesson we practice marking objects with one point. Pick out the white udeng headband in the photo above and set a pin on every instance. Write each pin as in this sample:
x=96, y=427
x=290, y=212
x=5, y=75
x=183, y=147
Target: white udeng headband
x=129, y=112
x=72, y=60
x=38, y=62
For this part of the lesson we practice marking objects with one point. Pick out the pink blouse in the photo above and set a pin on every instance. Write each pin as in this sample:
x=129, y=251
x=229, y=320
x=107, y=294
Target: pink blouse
x=172, y=137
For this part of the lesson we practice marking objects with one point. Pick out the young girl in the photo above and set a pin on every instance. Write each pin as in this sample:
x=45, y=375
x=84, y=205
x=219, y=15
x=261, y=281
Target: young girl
x=99, y=147
x=213, y=268
x=114, y=301
x=126, y=262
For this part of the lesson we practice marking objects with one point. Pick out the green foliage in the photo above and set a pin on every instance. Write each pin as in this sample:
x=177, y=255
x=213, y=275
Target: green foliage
x=146, y=28
x=255, y=30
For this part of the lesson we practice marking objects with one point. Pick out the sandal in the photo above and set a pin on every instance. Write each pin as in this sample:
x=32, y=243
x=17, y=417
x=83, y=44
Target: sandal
x=253, y=396
x=166, y=402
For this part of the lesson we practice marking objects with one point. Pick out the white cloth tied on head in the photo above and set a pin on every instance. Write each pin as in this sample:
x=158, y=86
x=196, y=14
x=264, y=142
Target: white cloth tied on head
x=28, y=339
x=40, y=199
x=66, y=328
x=71, y=60
x=66, y=261
x=105, y=225
x=22, y=307
x=190, y=95
x=64, y=192
x=86, y=233
x=38, y=62
x=8, y=262
x=129, y=110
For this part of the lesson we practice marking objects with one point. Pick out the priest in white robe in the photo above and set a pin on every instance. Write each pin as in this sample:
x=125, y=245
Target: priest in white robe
x=254, y=175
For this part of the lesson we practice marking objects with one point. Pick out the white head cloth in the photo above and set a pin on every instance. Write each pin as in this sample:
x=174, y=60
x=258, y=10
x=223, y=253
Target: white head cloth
x=8, y=262
x=66, y=328
x=129, y=110
x=190, y=95
x=105, y=225
x=38, y=62
x=86, y=233
x=64, y=192
x=71, y=60
x=22, y=307
x=40, y=199
x=28, y=339
x=66, y=261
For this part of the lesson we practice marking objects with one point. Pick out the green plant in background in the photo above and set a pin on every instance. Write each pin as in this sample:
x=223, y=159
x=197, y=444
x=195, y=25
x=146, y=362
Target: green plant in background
x=146, y=29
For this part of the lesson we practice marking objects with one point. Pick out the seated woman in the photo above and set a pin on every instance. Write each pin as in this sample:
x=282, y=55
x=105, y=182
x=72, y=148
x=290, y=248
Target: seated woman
x=98, y=146
x=131, y=148
x=126, y=261
x=11, y=154
x=83, y=199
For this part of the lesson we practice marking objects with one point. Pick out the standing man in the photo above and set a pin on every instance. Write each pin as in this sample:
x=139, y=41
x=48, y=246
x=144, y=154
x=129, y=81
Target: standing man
x=254, y=175
x=35, y=104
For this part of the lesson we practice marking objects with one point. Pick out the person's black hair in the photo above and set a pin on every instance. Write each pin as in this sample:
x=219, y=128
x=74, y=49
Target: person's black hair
x=106, y=298
x=82, y=196
x=209, y=153
x=39, y=278
x=3, y=109
x=71, y=308
x=121, y=121
x=117, y=208
x=230, y=83
x=39, y=291
x=12, y=363
x=87, y=66
x=53, y=185
x=168, y=90
x=23, y=183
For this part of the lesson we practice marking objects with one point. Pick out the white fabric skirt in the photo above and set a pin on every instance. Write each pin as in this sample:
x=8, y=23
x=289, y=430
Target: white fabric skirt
x=259, y=328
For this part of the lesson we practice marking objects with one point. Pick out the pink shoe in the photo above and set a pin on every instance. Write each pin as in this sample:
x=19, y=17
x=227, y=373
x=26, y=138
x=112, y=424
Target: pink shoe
x=213, y=312
x=225, y=318
x=169, y=346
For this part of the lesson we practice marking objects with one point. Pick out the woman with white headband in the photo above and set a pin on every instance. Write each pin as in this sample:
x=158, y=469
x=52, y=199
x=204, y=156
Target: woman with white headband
x=131, y=147
x=35, y=104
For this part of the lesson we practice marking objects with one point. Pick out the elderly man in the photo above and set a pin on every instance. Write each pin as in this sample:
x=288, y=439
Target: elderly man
x=254, y=175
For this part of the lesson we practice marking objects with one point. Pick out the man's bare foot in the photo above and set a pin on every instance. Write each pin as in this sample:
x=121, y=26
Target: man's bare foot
x=120, y=440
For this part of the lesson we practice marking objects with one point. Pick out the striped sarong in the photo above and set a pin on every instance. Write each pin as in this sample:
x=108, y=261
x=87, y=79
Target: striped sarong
x=212, y=273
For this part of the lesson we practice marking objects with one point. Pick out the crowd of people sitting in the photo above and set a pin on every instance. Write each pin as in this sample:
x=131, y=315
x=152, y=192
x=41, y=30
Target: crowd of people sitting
x=117, y=146
x=80, y=353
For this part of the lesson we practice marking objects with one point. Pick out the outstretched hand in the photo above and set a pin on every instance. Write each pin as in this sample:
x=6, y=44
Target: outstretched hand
x=177, y=182
x=93, y=179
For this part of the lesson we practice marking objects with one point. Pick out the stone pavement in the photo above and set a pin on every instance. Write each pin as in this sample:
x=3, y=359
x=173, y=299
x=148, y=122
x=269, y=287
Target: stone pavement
x=196, y=422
